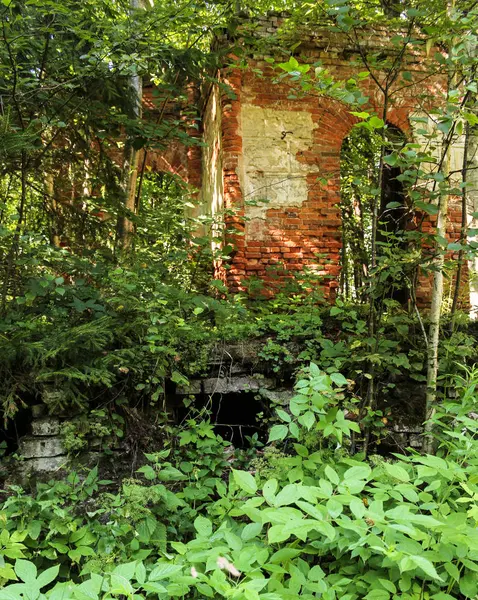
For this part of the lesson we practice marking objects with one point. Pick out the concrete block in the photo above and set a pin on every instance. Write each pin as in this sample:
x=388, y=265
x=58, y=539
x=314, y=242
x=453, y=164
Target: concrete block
x=416, y=441
x=223, y=385
x=194, y=388
x=41, y=447
x=282, y=397
x=46, y=426
x=43, y=465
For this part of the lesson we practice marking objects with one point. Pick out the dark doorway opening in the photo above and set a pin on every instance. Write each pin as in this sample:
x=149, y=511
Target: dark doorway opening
x=13, y=430
x=236, y=416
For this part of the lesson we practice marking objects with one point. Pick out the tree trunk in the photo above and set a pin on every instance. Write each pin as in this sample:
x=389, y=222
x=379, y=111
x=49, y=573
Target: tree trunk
x=472, y=197
x=435, y=310
x=130, y=163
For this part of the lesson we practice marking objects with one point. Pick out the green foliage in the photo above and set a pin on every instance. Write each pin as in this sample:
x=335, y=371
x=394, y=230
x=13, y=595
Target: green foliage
x=316, y=407
x=96, y=330
x=332, y=524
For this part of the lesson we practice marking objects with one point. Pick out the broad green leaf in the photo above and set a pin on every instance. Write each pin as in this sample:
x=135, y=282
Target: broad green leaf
x=376, y=122
x=430, y=209
x=269, y=489
x=397, y=472
x=25, y=570
x=251, y=531
x=331, y=475
x=283, y=415
x=357, y=508
x=426, y=566
x=469, y=585
x=203, y=526
x=334, y=507
x=245, y=481
x=339, y=379
x=48, y=576
x=278, y=432
x=288, y=495
x=316, y=573
x=164, y=570
x=278, y=533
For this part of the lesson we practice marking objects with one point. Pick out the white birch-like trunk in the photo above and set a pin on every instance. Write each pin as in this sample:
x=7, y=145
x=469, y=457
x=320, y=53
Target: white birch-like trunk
x=436, y=309
x=472, y=197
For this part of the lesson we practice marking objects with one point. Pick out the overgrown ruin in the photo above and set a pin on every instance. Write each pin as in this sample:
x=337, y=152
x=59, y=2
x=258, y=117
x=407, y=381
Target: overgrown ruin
x=271, y=158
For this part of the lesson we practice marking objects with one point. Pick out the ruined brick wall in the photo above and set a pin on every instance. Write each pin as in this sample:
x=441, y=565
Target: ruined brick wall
x=175, y=157
x=276, y=147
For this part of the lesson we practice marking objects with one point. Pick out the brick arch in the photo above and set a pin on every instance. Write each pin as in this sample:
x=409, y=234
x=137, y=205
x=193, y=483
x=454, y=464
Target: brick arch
x=172, y=160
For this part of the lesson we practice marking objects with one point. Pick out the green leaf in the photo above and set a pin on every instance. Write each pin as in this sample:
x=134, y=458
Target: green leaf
x=48, y=576
x=339, y=379
x=357, y=508
x=430, y=209
x=452, y=570
x=377, y=594
x=288, y=495
x=25, y=570
x=294, y=430
x=283, y=415
x=203, y=526
x=90, y=588
x=34, y=529
x=316, y=573
x=376, y=122
x=164, y=570
x=251, y=531
x=245, y=481
x=278, y=533
x=334, y=507
x=426, y=566
x=269, y=489
x=331, y=475
x=140, y=572
x=148, y=472
x=455, y=246
x=469, y=585
x=397, y=472
x=392, y=160
x=278, y=432
x=307, y=419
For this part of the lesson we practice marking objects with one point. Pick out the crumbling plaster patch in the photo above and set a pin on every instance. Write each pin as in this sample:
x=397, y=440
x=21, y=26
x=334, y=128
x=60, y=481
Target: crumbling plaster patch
x=270, y=174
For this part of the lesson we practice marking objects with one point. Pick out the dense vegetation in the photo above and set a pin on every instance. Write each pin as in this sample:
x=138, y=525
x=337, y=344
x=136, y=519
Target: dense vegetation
x=108, y=298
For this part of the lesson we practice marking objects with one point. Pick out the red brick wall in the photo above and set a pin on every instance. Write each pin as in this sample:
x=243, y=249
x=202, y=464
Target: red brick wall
x=289, y=237
x=292, y=236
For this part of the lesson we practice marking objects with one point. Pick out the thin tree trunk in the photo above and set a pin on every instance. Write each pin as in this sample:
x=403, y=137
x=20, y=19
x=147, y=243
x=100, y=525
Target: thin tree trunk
x=53, y=209
x=472, y=207
x=130, y=164
x=10, y=271
x=464, y=228
x=435, y=311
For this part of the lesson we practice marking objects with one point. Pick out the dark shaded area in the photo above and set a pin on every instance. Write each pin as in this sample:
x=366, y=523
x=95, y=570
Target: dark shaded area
x=234, y=415
x=14, y=429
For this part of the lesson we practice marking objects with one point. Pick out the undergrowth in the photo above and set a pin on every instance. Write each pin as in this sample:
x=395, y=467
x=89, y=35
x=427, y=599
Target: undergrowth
x=304, y=518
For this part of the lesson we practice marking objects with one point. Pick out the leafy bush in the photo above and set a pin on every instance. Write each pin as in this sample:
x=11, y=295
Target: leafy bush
x=331, y=525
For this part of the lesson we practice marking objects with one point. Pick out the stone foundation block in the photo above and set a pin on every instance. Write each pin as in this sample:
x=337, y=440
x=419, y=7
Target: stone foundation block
x=41, y=447
x=47, y=426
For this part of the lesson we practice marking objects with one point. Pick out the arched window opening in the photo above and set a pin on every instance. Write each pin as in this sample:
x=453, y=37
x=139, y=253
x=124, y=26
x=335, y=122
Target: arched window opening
x=361, y=189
